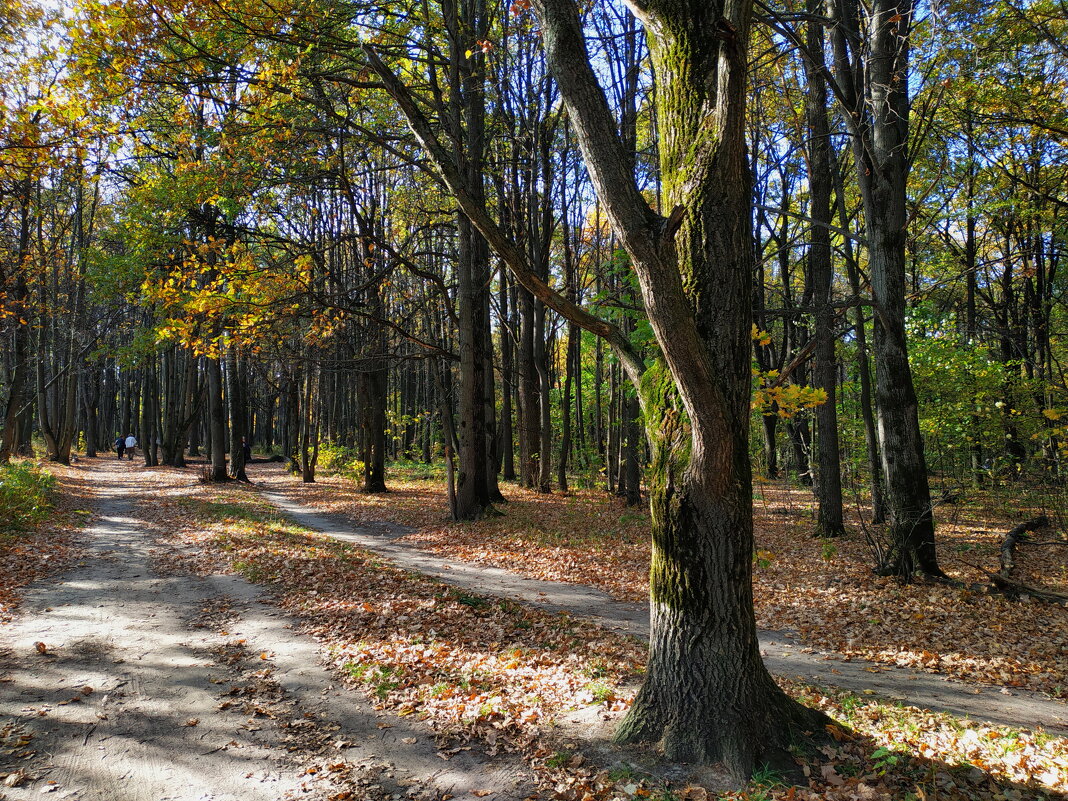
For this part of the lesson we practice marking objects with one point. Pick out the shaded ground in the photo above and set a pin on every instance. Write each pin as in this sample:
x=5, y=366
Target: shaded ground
x=189, y=671
x=783, y=655
x=550, y=686
x=122, y=679
x=822, y=593
x=27, y=557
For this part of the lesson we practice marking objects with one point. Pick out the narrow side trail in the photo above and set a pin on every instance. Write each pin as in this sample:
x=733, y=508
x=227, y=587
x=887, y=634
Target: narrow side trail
x=782, y=656
x=148, y=686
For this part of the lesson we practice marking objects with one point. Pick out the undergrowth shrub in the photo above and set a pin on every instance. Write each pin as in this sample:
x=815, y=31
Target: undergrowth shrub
x=25, y=496
x=340, y=460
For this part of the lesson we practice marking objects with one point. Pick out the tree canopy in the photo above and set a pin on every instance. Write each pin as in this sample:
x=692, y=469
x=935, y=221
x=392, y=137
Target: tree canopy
x=651, y=245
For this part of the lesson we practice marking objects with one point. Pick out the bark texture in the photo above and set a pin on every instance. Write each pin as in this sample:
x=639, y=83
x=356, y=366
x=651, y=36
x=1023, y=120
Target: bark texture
x=871, y=56
x=707, y=696
x=821, y=274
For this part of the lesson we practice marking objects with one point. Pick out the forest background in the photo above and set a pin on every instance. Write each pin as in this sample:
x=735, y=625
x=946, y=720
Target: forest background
x=239, y=222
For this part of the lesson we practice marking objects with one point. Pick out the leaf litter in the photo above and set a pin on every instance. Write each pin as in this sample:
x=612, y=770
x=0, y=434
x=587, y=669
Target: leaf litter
x=823, y=591
x=481, y=670
x=29, y=556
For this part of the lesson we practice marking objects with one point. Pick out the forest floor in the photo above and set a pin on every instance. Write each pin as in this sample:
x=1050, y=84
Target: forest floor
x=205, y=641
x=124, y=676
x=822, y=592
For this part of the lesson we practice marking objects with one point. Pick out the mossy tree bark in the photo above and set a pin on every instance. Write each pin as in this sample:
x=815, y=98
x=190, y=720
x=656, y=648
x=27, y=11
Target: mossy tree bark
x=707, y=696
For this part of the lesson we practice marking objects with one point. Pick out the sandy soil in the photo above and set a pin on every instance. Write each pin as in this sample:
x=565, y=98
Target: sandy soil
x=119, y=680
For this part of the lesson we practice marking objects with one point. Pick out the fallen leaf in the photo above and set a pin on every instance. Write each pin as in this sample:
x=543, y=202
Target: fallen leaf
x=830, y=775
x=16, y=779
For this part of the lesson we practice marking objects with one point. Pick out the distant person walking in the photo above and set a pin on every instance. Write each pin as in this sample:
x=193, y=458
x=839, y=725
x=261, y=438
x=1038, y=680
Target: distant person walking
x=131, y=445
x=246, y=451
x=120, y=446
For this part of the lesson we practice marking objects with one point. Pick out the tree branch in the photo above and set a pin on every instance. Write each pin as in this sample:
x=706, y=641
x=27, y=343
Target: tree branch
x=515, y=258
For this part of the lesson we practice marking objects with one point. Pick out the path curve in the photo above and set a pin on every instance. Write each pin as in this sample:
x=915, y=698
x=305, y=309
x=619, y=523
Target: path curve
x=783, y=656
x=129, y=700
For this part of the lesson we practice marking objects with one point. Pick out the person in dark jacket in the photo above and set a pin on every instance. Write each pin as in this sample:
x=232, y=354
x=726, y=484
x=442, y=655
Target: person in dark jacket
x=246, y=450
x=120, y=446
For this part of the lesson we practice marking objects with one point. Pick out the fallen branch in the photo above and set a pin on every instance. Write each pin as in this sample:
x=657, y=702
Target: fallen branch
x=1003, y=581
x=1013, y=538
x=1009, y=587
x=1015, y=589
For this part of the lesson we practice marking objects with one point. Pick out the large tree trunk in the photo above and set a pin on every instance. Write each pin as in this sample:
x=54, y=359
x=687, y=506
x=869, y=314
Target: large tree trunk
x=149, y=417
x=472, y=499
x=374, y=390
x=466, y=112
x=632, y=448
x=181, y=404
x=90, y=393
x=216, y=419
x=707, y=696
x=879, y=118
x=236, y=395
x=543, y=477
x=489, y=397
x=871, y=436
x=17, y=391
x=17, y=304
x=506, y=438
x=529, y=417
x=309, y=422
x=821, y=274
x=571, y=362
x=908, y=494
x=971, y=325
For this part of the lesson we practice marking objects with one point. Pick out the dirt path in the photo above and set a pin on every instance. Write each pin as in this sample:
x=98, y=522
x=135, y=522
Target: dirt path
x=157, y=687
x=783, y=656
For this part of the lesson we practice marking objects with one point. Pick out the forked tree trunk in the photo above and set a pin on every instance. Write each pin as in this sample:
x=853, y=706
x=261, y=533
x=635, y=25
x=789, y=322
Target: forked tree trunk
x=871, y=54
x=707, y=696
